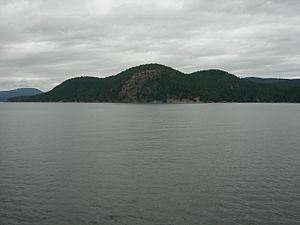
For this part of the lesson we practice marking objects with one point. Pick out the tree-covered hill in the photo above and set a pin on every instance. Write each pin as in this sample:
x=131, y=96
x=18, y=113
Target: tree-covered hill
x=5, y=95
x=158, y=83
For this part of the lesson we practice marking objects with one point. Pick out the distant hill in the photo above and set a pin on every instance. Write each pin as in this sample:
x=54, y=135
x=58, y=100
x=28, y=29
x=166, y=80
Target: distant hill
x=158, y=83
x=275, y=81
x=5, y=95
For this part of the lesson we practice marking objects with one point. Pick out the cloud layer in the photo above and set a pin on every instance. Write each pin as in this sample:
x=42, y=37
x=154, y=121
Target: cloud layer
x=45, y=42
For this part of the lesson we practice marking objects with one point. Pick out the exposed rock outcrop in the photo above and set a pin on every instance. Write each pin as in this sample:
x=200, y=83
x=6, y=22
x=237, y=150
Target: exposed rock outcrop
x=133, y=89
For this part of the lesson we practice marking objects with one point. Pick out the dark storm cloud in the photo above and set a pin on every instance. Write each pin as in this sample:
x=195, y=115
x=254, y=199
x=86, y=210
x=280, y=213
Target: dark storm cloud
x=45, y=42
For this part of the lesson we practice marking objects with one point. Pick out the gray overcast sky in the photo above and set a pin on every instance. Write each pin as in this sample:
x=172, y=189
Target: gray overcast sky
x=45, y=42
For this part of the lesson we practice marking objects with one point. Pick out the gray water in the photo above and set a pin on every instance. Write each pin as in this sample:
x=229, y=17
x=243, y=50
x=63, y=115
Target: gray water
x=158, y=164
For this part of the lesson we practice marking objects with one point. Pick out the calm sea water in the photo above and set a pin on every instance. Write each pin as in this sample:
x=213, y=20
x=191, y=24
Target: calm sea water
x=137, y=164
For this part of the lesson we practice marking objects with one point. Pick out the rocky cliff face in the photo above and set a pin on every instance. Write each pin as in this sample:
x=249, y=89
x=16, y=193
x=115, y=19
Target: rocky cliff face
x=134, y=89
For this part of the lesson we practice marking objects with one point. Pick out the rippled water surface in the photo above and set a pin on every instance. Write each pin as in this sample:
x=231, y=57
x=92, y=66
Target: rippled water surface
x=137, y=164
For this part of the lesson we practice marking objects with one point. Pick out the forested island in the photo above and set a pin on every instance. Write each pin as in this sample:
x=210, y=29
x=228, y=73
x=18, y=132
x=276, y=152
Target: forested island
x=155, y=83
